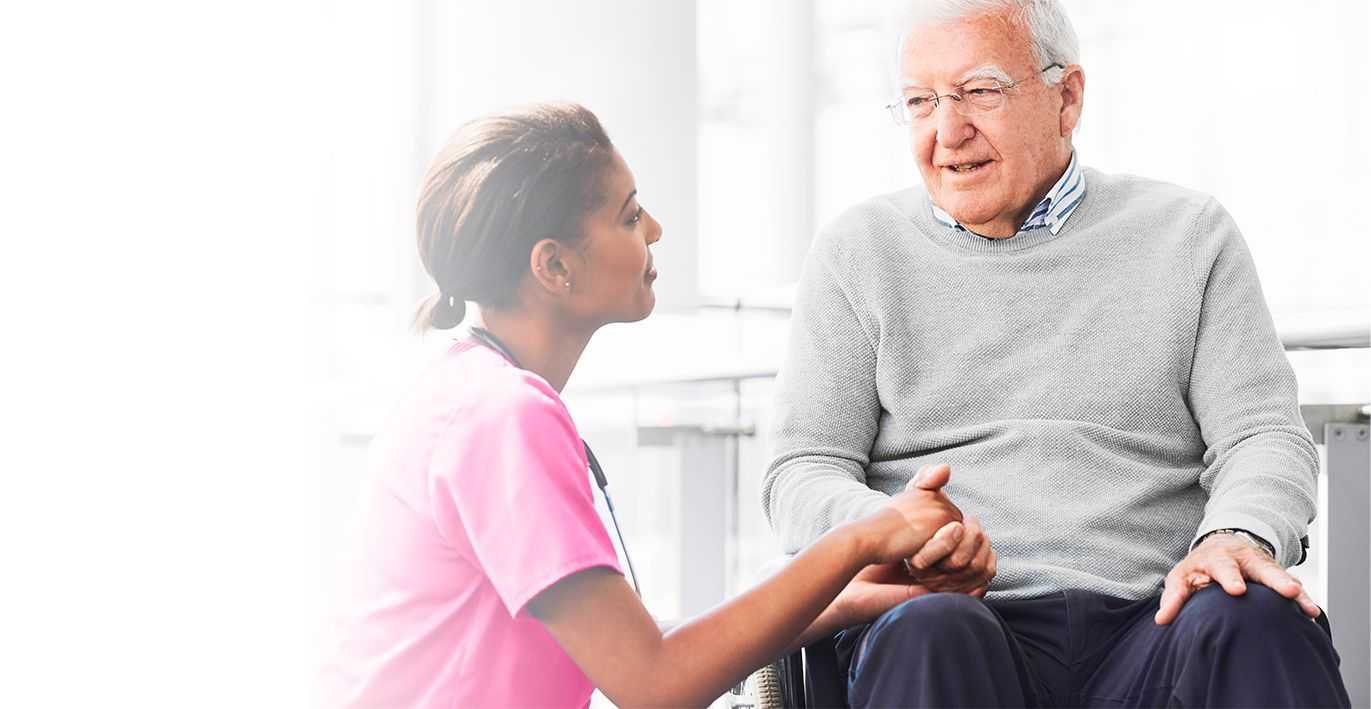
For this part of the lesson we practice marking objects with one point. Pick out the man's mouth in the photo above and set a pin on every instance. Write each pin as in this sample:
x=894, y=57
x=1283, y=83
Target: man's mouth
x=966, y=167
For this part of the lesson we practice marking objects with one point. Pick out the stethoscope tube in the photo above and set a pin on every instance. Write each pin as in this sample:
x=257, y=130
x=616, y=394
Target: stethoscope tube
x=484, y=337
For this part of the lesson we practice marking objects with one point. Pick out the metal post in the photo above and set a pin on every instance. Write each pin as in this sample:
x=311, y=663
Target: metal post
x=791, y=152
x=705, y=491
x=1349, y=553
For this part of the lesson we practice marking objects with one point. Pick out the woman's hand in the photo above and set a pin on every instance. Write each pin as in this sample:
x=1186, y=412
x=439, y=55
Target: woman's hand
x=903, y=527
x=873, y=591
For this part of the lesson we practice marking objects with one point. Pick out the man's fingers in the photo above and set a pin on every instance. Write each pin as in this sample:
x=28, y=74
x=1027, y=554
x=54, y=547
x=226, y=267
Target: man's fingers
x=1177, y=590
x=944, y=542
x=931, y=478
x=1308, y=605
x=1229, y=575
x=1269, y=574
x=985, y=560
x=972, y=541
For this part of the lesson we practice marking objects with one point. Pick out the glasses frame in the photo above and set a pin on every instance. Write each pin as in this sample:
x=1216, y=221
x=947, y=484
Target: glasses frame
x=901, y=115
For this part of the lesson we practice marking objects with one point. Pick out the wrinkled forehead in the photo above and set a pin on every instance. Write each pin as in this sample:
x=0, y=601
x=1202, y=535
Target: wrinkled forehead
x=951, y=53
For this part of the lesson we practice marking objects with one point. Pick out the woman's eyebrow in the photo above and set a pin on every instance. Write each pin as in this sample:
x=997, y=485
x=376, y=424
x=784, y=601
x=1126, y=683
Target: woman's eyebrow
x=627, y=200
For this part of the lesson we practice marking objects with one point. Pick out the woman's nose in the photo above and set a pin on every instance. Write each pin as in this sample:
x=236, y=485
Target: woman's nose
x=654, y=229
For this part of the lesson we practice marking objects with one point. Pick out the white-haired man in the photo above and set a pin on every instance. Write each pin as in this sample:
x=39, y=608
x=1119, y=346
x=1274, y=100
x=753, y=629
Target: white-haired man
x=1092, y=355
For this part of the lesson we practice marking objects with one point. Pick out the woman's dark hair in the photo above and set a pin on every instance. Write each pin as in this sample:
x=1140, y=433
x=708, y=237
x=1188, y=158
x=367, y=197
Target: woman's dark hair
x=500, y=185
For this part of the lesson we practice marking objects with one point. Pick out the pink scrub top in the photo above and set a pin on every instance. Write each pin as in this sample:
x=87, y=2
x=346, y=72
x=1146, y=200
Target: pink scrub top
x=479, y=500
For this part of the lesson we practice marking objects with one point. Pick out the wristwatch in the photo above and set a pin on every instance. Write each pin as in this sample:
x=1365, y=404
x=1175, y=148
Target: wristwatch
x=1255, y=540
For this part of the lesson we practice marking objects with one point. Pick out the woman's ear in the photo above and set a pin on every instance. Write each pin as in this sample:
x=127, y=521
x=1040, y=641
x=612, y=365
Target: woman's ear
x=551, y=272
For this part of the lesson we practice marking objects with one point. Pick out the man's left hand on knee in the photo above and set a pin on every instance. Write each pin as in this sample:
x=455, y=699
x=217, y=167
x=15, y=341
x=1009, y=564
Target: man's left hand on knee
x=1230, y=561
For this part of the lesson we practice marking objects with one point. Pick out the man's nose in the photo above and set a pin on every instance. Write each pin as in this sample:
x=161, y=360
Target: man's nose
x=953, y=128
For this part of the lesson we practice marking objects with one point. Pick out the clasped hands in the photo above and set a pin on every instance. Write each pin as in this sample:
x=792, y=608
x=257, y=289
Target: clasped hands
x=957, y=558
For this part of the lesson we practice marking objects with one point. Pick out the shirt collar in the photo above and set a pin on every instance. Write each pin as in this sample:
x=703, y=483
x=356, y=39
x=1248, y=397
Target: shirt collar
x=1051, y=212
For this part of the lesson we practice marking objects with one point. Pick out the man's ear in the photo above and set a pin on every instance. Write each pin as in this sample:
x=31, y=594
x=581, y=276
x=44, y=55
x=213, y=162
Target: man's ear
x=1072, y=88
x=549, y=266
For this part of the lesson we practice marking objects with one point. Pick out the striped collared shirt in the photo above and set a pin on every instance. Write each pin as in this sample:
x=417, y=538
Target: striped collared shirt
x=1054, y=209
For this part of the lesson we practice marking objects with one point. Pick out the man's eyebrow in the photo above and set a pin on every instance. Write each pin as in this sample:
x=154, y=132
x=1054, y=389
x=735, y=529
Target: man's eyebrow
x=989, y=71
x=627, y=199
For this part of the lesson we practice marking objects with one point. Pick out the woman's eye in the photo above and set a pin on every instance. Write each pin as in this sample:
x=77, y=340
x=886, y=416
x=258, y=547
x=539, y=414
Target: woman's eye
x=637, y=215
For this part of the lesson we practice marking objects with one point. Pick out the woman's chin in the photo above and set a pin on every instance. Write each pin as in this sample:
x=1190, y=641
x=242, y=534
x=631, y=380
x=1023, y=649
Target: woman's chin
x=649, y=304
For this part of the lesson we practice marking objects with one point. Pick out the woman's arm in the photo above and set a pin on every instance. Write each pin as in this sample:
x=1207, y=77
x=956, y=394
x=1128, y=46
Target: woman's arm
x=603, y=626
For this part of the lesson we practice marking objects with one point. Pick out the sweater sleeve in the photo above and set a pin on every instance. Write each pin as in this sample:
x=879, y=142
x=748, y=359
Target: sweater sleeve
x=826, y=415
x=1260, y=463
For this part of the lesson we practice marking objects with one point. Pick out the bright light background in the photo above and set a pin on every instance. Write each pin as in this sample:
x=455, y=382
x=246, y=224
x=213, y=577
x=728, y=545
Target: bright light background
x=207, y=211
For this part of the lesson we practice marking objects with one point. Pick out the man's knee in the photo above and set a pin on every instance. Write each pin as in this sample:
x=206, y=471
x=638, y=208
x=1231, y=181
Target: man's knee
x=934, y=620
x=934, y=650
x=1259, y=613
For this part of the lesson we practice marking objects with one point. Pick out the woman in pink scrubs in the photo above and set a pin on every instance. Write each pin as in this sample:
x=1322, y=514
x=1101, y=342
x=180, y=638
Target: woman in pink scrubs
x=487, y=579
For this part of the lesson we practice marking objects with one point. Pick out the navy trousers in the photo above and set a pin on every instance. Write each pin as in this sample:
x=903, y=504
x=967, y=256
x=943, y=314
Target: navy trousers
x=1085, y=649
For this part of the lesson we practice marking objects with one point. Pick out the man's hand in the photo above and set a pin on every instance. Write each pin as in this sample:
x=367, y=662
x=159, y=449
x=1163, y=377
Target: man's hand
x=967, y=569
x=1231, y=561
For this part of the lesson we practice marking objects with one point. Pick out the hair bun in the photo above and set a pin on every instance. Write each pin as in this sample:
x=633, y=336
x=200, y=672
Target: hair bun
x=448, y=312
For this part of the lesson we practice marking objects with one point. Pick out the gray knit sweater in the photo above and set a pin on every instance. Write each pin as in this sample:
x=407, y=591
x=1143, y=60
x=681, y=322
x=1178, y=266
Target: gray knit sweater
x=1103, y=395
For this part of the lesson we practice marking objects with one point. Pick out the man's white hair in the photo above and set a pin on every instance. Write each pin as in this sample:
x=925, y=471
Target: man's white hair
x=1049, y=29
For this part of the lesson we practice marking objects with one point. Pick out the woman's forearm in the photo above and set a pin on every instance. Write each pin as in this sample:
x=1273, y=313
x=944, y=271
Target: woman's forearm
x=831, y=620
x=604, y=627
x=716, y=650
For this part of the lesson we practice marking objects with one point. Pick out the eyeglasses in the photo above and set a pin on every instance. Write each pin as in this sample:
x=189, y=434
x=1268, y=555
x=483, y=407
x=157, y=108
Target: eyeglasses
x=978, y=96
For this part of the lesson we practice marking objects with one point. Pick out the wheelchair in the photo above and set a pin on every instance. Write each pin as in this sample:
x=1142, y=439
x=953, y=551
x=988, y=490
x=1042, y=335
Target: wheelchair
x=808, y=677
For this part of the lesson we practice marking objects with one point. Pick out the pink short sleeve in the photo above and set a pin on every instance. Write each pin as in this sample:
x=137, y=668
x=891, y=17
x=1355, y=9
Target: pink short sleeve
x=521, y=489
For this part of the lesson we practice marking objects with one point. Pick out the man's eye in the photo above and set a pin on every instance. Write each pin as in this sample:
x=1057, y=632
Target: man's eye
x=981, y=92
x=916, y=101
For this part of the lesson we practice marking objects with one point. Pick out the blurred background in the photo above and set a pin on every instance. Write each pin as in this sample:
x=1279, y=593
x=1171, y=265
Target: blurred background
x=208, y=214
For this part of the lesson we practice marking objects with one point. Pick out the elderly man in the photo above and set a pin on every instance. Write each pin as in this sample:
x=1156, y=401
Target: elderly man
x=1092, y=355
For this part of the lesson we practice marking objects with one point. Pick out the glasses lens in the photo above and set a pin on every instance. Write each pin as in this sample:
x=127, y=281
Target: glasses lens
x=897, y=112
x=920, y=106
x=981, y=98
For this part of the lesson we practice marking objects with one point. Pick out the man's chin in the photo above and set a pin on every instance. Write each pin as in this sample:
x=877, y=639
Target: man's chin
x=969, y=214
